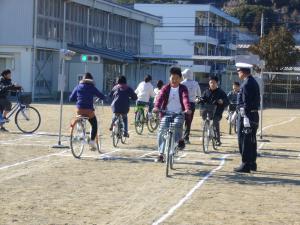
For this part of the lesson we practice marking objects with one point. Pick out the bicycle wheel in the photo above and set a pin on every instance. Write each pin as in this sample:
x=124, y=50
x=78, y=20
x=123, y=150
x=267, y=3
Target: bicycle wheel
x=99, y=142
x=205, y=137
x=123, y=139
x=115, y=137
x=167, y=154
x=139, y=122
x=235, y=126
x=28, y=119
x=77, y=139
x=171, y=154
x=153, y=123
x=230, y=124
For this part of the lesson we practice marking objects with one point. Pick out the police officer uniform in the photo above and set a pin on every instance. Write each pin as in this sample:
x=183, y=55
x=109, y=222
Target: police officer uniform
x=248, y=103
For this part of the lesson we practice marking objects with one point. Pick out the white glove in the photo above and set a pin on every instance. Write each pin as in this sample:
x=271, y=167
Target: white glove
x=242, y=111
x=246, y=122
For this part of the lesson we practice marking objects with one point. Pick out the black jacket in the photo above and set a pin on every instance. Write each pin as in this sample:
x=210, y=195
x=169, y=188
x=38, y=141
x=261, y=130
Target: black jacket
x=5, y=87
x=211, y=97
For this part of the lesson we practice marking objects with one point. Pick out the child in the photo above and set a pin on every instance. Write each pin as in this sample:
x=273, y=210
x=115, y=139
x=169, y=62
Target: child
x=145, y=92
x=84, y=93
x=121, y=94
x=6, y=86
x=159, y=86
x=174, y=98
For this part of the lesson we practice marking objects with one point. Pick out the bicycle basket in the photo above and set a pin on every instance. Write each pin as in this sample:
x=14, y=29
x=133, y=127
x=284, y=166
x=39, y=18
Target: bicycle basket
x=25, y=99
x=232, y=107
x=208, y=109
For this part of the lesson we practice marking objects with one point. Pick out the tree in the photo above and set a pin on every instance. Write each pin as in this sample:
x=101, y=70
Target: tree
x=277, y=49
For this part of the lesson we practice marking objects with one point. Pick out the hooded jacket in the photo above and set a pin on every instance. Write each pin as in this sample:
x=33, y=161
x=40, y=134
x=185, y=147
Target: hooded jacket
x=192, y=86
x=84, y=93
x=121, y=94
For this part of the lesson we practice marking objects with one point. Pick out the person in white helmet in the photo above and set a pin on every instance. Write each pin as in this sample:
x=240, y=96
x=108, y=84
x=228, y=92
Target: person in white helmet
x=194, y=92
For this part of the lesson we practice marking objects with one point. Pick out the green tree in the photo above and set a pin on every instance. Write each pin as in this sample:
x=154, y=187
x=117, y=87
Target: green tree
x=277, y=49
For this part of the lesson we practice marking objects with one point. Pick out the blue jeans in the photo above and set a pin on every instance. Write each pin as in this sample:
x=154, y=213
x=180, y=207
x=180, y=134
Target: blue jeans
x=163, y=127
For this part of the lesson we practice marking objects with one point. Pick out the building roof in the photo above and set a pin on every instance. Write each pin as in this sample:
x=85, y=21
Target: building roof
x=185, y=57
x=104, y=53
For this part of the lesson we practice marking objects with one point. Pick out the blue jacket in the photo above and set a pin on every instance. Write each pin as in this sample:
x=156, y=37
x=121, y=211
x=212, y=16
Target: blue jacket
x=84, y=93
x=121, y=95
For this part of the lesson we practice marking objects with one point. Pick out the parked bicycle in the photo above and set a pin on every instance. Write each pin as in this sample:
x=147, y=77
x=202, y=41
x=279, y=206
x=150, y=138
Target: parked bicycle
x=80, y=135
x=170, y=150
x=118, y=131
x=27, y=118
x=142, y=117
x=232, y=118
x=208, y=132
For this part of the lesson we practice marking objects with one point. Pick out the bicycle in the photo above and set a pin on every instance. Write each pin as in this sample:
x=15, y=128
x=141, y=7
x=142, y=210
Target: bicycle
x=118, y=130
x=140, y=119
x=231, y=120
x=80, y=137
x=27, y=118
x=170, y=150
x=208, y=132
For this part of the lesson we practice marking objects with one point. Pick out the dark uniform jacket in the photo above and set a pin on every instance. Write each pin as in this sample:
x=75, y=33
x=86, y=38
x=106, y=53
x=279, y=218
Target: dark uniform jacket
x=211, y=97
x=5, y=87
x=249, y=96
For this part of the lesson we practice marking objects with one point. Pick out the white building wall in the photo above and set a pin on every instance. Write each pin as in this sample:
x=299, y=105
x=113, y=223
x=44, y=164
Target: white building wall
x=21, y=66
x=16, y=22
x=147, y=38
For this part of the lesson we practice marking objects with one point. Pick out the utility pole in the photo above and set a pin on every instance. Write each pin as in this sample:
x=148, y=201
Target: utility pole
x=262, y=25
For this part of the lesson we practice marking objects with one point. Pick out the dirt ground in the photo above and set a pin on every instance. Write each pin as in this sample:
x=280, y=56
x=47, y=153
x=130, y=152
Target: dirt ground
x=43, y=185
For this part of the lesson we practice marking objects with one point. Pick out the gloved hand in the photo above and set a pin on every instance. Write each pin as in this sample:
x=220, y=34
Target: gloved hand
x=246, y=122
x=242, y=112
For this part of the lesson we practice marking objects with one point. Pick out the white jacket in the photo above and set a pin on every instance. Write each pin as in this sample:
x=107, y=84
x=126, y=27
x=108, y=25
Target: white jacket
x=192, y=86
x=144, y=91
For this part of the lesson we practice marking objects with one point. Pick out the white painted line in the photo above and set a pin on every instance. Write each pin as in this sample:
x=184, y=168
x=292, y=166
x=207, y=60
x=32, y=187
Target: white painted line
x=31, y=160
x=150, y=153
x=182, y=156
x=25, y=144
x=299, y=156
x=190, y=193
x=277, y=124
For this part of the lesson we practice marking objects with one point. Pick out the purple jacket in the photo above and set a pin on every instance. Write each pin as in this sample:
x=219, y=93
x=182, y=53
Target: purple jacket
x=121, y=95
x=84, y=93
x=163, y=98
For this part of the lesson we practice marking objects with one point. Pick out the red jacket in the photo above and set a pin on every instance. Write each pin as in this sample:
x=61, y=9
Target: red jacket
x=163, y=98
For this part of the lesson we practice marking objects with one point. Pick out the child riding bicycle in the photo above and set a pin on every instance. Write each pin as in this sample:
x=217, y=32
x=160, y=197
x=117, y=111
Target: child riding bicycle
x=121, y=94
x=145, y=92
x=6, y=86
x=173, y=98
x=83, y=94
x=215, y=95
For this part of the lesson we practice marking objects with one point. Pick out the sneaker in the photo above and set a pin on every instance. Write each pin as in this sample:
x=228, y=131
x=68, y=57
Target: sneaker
x=125, y=134
x=150, y=115
x=5, y=120
x=160, y=158
x=3, y=129
x=93, y=145
x=181, y=145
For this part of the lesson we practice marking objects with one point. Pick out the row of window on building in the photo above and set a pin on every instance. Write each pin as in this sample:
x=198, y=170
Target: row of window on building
x=87, y=26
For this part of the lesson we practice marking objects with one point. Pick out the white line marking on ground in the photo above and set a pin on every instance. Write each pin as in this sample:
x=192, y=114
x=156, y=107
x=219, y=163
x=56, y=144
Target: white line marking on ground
x=277, y=124
x=150, y=153
x=188, y=195
x=182, y=156
x=31, y=160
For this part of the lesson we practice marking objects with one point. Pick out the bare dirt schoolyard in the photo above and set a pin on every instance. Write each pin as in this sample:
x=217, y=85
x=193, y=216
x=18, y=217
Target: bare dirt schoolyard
x=42, y=185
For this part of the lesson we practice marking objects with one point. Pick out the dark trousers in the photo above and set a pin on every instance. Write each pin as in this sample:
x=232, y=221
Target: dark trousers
x=247, y=141
x=216, y=124
x=188, y=122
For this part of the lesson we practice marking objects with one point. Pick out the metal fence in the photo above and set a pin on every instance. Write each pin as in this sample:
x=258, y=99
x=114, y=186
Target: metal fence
x=281, y=89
